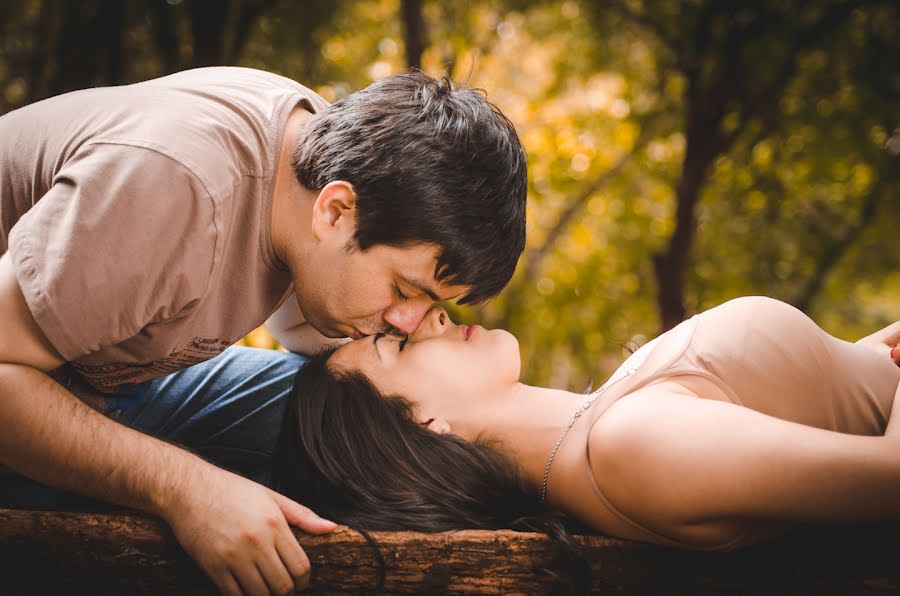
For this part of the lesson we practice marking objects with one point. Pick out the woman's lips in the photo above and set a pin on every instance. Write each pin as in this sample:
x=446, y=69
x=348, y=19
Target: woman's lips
x=470, y=331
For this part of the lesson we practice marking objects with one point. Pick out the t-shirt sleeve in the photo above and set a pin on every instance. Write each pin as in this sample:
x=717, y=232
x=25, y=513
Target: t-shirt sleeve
x=126, y=236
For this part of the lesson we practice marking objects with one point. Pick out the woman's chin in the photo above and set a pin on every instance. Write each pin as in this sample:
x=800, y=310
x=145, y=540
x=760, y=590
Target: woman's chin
x=508, y=353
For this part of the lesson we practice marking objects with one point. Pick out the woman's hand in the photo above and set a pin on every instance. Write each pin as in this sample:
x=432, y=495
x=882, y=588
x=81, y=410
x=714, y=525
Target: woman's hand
x=885, y=341
x=893, y=426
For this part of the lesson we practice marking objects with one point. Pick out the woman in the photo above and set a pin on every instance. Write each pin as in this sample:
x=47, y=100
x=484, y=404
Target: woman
x=725, y=431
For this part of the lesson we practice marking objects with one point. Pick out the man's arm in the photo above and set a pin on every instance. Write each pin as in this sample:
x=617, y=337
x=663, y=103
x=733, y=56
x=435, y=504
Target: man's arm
x=288, y=326
x=235, y=529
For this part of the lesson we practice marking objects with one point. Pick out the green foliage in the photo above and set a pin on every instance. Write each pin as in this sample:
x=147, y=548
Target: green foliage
x=799, y=102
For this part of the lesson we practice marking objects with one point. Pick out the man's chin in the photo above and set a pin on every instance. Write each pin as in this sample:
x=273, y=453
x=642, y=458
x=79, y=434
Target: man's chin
x=337, y=330
x=351, y=332
x=342, y=333
x=332, y=330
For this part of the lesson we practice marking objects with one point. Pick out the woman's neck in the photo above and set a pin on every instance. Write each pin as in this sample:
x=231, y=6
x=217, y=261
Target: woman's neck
x=527, y=422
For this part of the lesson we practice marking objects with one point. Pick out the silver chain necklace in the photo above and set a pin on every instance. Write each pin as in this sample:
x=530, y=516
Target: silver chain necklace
x=571, y=423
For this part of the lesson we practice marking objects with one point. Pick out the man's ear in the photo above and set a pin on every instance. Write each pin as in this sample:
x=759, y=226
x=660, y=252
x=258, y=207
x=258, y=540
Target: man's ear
x=334, y=213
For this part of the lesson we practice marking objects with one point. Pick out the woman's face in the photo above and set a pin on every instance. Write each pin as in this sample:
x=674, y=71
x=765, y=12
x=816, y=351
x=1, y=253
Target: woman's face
x=438, y=365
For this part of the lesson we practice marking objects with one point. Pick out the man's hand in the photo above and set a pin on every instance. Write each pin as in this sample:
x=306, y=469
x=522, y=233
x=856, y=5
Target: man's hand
x=238, y=533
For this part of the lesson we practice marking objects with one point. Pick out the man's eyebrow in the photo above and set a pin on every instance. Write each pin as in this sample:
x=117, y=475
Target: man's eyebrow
x=422, y=287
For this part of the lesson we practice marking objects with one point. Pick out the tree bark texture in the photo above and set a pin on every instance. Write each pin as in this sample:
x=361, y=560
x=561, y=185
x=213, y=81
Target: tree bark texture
x=45, y=552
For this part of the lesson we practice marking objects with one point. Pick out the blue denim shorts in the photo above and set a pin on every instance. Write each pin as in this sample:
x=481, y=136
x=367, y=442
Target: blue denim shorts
x=227, y=410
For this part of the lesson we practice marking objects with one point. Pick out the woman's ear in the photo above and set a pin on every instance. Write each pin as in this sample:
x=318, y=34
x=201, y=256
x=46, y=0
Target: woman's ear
x=334, y=212
x=437, y=425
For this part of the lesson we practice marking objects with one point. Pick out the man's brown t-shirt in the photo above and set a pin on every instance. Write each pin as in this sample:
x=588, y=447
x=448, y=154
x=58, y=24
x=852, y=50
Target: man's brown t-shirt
x=138, y=217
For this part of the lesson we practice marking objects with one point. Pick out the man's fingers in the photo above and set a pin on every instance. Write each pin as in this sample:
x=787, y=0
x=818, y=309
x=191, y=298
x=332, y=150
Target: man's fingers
x=302, y=517
x=293, y=558
x=275, y=573
x=250, y=579
x=226, y=583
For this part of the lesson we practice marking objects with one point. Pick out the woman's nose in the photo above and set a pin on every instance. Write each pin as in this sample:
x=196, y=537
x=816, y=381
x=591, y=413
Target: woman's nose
x=433, y=323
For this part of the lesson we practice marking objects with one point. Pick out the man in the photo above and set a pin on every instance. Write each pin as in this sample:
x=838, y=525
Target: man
x=146, y=228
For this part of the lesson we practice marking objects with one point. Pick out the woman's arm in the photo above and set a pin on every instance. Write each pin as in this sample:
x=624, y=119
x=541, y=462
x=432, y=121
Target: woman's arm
x=668, y=461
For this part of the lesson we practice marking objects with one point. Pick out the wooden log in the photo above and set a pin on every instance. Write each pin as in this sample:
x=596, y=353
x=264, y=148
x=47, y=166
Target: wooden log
x=45, y=552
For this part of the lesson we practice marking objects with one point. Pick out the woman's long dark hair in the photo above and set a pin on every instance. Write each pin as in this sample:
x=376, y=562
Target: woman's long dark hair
x=359, y=458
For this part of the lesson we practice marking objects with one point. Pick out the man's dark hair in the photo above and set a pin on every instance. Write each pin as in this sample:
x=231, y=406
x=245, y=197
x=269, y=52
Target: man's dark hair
x=359, y=458
x=430, y=163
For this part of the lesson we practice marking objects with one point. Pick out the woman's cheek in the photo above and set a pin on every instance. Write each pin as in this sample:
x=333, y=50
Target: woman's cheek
x=428, y=368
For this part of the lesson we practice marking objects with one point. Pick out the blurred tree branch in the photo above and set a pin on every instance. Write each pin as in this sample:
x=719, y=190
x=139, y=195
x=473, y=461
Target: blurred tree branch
x=717, y=76
x=832, y=254
x=534, y=258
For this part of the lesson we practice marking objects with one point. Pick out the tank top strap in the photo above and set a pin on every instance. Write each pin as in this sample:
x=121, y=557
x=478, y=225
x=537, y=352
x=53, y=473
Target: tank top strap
x=652, y=365
x=640, y=369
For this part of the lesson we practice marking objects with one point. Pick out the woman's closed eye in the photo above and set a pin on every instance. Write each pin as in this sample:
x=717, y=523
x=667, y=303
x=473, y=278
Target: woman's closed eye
x=402, y=343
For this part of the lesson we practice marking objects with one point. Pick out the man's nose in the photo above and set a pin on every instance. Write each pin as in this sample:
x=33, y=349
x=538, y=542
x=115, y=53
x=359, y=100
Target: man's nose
x=405, y=317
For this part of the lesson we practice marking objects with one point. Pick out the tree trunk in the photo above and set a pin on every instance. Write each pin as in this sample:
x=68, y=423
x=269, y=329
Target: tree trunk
x=68, y=552
x=111, y=25
x=414, y=29
x=703, y=145
x=164, y=35
x=208, y=20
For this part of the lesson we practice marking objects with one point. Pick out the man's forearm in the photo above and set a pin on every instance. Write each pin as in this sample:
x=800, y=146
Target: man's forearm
x=48, y=434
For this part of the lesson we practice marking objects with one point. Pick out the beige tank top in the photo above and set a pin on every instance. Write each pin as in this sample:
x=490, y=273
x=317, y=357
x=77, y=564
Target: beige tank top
x=759, y=353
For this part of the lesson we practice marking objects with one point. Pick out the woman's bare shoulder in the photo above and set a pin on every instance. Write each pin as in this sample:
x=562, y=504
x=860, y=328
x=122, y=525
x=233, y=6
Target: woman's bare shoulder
x=646, y=456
